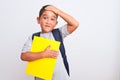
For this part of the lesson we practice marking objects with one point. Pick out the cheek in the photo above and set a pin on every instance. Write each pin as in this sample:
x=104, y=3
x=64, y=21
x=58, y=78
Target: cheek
x=54, y=24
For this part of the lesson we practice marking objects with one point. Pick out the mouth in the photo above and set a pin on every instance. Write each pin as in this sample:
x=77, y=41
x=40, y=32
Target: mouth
x=47, y=26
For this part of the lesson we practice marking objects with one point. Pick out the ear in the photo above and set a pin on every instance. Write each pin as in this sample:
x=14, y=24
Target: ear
x=38, y=20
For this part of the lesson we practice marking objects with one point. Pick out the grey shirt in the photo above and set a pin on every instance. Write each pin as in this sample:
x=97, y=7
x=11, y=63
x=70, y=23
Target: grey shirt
x=60, y=72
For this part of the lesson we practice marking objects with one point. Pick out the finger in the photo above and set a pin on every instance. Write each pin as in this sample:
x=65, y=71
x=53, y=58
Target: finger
x=48, y=47
x=54, y=56
x=55, y=53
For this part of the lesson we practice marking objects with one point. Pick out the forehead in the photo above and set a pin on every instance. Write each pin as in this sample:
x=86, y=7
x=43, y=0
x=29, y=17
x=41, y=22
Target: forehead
x=49, y=13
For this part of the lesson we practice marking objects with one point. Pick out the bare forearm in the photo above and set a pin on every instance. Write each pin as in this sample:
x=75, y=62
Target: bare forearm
x=31, y=56
x=72, y=23
x=68, y=18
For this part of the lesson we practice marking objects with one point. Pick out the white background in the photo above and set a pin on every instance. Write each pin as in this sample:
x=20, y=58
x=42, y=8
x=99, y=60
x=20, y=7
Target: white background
x=93, y=49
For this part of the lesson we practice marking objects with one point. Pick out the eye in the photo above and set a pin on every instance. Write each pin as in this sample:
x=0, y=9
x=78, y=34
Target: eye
x=53, y=19
x=44, y=17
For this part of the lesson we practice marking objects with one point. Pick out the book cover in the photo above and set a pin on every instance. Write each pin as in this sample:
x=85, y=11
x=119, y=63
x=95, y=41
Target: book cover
x=42, y=68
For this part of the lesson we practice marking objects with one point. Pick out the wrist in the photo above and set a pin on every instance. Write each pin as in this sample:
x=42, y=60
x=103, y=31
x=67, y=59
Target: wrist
x=42, y=54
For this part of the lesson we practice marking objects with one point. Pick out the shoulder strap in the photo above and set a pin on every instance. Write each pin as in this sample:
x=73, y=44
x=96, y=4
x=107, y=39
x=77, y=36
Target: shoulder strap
x=58, y=37
x=35, y=34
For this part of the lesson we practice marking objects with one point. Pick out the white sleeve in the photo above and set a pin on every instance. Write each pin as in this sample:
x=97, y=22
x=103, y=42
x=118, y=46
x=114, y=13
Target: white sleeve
x=27, y=45
x=64, y=31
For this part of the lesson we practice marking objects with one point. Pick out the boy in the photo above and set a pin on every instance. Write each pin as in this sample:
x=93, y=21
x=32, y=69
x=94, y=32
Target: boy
x=48, y=20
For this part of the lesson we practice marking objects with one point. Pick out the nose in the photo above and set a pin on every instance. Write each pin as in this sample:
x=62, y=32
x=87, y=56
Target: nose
x=48, y=21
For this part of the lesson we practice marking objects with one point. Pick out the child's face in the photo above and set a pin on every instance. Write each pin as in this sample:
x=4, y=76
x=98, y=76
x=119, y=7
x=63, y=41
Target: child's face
x=47, y=21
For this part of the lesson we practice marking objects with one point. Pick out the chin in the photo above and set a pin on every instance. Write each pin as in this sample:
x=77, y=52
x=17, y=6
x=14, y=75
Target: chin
x=47, y=31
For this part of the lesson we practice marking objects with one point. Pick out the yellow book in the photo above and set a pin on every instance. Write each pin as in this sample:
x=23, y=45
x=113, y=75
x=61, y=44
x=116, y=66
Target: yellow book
x=42, y=68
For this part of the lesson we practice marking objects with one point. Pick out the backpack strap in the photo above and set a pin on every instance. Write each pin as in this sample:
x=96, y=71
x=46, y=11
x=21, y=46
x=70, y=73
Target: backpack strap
x=58, y=37
x=35, y=34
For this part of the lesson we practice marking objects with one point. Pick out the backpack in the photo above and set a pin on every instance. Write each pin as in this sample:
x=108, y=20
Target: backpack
x=57, y=35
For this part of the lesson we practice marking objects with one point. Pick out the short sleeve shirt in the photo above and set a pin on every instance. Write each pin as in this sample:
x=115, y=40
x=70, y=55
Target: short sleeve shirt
x=60, y=72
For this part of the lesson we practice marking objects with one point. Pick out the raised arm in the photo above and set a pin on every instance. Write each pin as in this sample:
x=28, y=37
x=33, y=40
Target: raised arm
x=72, y=23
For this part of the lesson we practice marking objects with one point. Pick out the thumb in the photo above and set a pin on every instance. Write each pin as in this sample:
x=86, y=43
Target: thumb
x=48, y=47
